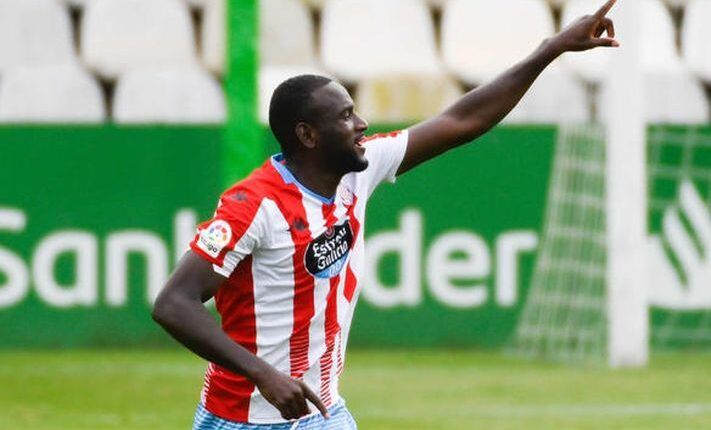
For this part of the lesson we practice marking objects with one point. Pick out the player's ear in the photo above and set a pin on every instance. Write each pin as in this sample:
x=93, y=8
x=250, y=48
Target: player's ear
x=306, y=135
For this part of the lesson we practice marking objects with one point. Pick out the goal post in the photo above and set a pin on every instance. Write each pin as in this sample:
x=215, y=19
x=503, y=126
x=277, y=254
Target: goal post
x=587, y=300
x=624, y=262
x=626, y=199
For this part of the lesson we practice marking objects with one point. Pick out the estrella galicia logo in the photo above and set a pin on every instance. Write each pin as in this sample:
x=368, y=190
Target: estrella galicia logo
x=326, y=254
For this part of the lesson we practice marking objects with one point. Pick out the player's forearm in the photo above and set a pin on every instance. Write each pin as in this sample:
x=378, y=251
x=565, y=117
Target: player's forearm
x=484, y=107
x=187, y=320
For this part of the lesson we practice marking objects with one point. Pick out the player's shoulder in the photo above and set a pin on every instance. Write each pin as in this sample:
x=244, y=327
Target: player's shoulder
x=382, y=137
x=248, y=194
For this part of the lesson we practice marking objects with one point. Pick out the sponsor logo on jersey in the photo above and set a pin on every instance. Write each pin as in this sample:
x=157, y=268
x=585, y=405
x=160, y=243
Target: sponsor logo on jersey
x=215, y=237
x=326, y=254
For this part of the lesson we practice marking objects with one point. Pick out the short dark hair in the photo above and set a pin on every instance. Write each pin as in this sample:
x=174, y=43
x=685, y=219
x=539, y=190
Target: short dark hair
x=291, y=104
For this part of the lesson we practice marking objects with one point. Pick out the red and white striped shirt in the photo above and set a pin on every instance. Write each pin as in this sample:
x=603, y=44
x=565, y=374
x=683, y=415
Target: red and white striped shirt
x=293, y=260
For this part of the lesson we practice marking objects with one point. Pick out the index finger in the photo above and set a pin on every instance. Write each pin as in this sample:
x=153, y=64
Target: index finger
x=605, y=8
x=313, y=398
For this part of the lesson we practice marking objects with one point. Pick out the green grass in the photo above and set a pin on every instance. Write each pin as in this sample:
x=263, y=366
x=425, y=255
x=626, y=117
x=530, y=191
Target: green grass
x=385, y=390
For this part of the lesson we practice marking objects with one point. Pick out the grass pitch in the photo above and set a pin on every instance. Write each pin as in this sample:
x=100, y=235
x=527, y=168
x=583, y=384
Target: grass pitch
x=385, y=390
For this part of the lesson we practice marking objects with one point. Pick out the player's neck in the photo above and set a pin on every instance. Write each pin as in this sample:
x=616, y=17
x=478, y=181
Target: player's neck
x=315, y=178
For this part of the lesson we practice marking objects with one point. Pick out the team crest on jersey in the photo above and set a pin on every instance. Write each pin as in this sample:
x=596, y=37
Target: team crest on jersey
x=215, y=237
x=326, y=254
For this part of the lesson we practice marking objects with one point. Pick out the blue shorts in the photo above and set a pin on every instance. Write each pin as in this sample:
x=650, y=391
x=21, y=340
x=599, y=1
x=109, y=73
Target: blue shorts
x=340, y=419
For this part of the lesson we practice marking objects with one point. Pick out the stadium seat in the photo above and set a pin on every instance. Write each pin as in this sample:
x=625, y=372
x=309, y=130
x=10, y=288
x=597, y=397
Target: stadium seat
x=214, y=36
x=370, y=38
x=437, y=4
x=50, y=94
x=119, y=35
x=676, y=3
x=316, y=4
x=77, y=3
x=33, y=33
x=399, y=99
x=270, y=77
x=695, y=37
x=658, y=50
x=168, y=96
x=286, y=35
x=477, y=37
x=672, y=97
x=556, y=97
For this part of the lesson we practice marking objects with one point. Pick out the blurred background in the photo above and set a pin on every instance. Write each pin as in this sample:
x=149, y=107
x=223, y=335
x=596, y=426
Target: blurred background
x=557, y=273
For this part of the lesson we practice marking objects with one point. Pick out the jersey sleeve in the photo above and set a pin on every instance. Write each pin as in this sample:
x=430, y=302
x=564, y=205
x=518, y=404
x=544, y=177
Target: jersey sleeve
x=384, y=153
x=234, y=232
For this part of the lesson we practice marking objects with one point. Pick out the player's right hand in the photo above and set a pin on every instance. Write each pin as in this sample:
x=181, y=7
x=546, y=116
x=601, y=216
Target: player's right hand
x=288, y=394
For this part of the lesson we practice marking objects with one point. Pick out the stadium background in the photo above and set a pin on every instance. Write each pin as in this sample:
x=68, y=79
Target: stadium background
x=122, y=121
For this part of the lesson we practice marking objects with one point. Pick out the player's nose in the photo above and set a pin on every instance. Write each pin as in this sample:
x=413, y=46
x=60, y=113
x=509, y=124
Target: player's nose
x=361, y=124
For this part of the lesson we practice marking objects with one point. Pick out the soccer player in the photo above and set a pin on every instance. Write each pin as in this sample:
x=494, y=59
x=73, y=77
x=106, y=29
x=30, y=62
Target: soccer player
x=283, y=253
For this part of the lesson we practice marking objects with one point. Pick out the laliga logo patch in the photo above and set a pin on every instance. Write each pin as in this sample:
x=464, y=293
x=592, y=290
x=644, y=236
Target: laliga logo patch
x=326, y=255
x=215, y=237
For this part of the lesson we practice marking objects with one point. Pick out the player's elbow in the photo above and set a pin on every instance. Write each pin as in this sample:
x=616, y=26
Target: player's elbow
x=166, y=309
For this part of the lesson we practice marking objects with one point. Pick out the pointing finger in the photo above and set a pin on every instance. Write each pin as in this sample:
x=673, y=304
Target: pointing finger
x=313, y=398
x=605, y=9
x=609, y=27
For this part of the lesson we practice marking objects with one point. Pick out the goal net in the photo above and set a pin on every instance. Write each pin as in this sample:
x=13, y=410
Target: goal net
x=566, y=315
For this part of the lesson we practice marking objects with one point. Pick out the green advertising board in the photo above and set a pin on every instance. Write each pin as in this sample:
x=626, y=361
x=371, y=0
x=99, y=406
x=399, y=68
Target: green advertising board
x=93, y=219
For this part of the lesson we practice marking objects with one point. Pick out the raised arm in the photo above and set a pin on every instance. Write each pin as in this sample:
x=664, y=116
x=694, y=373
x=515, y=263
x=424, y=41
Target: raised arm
x=484, y=107
x=179, y=310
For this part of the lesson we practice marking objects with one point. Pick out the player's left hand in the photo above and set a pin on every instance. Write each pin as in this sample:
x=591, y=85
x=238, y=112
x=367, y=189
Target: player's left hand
x=585, y=33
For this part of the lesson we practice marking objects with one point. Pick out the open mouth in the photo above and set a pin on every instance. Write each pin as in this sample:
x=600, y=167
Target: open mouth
x=359, y=140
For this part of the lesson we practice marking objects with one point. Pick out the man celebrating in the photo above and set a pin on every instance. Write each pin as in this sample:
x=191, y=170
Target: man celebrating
x=283, y=253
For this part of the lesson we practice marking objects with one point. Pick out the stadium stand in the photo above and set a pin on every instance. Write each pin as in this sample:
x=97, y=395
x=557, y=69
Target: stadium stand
x=316, y=4
x=286, y=46
x=286, y=35
x=214, y=43
x=393, y=65
x=695, y=37
x=670, y=97
x=34, y=32
x=399, y=99
x=658, y=51
x=374, y=38
x=477, y=41
x=120, y=35
x=556, y=96
x=50, y=94
x=477, y=44
x=168, y=96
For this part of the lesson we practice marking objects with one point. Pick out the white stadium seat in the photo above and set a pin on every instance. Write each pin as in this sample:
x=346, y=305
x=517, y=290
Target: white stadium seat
x=286, y=34
x=672, y=97
x=168, y=96
x=369, y=38
x=214, y=35
x=50, y=94
x=119, y=35
x=658, y=49
x=77, y=3
x=399, y=99
x=316, y=4
x=696, y=38
x=270, y=77
x=33, y=33
x=556, y=97
x=481, y=39
x=677, y=3
x=286, y=47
